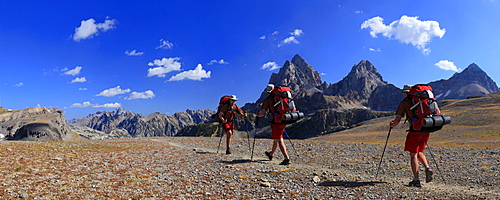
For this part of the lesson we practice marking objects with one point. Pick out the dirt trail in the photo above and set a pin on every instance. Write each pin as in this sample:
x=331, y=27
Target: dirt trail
x=351, y=166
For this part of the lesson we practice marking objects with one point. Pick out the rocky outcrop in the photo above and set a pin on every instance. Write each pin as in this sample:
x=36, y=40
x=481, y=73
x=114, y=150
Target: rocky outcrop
x=38, y=123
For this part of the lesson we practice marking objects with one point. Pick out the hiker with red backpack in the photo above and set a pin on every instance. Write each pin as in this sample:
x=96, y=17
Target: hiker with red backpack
x=226, y=112
x=421, y=109
x=280, y=105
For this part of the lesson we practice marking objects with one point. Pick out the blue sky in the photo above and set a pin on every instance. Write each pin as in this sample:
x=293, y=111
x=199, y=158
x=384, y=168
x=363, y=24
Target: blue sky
x=169, y=56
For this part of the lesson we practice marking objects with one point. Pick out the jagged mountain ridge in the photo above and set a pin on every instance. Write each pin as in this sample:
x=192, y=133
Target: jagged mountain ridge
x=138, y=125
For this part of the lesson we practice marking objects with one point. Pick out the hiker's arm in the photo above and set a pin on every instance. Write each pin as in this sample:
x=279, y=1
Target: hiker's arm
x=221, y=114
x=396, y=121
x=242, y=114
x=262, y=113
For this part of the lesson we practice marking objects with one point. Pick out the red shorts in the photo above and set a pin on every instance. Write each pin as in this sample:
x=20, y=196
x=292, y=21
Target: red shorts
x=228, y=127
x=416, y=142
x=277, y=131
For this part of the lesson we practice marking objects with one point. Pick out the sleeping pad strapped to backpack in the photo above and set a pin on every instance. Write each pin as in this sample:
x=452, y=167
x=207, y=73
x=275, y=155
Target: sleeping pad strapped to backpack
x=286, y=112
x=428, y=116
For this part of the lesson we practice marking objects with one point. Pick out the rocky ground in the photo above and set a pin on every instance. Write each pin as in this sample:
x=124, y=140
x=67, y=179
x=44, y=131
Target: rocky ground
x=190, y=168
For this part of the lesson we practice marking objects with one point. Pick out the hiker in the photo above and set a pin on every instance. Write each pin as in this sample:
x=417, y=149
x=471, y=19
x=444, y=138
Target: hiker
x=277, y=130
x=415, y=141
x=226, y=116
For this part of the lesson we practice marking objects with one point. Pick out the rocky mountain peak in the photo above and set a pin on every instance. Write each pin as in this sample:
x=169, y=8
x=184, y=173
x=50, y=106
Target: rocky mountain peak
x=471, y=81
x=360, y=82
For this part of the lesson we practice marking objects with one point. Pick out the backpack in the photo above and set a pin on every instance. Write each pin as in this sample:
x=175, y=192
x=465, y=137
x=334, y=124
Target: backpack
x=224, y=100
x=428, y=116
x=286, y=112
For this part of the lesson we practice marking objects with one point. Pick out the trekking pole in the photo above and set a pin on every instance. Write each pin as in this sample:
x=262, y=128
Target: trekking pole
x=248, y=137
x=291, y=142
x=220, y=141
x=254, y=134
x=435, y=162
x=382, y=157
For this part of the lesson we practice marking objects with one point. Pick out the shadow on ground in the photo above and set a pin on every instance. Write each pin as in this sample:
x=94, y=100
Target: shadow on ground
x=349, y=184
x=239, y=161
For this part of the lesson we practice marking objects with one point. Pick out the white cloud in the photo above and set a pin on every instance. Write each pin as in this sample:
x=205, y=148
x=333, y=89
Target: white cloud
x=88, y=28
x=165, y=65
x=88, y=104
x=79, y=80
x=165, y=44
x=270, y=66
x=141, y=95
x=82, y=89
x=262, y=37
x=374, y=50
x=408, y=30
x=73, y=72
x=292, y=39
x=275, y=33
x=134, y=53
x=297, y=32
x=221, y=61
x=197, y=74
x=358, y=12
x=447, y=65
x=113, y=92
x=19, y=84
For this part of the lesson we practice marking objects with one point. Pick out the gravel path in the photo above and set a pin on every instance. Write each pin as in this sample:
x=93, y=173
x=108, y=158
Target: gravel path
x=189, y=168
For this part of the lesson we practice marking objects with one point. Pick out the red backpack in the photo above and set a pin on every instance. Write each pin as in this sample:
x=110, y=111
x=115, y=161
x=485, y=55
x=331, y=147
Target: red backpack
x=286, y=112
x=224, y=100
x=428, y=116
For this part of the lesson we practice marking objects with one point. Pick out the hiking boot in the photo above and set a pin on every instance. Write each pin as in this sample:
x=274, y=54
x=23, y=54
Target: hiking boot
x=415, y=183
x=285, y=162
x=269, y=155
x=428, y=175
x=228, y=151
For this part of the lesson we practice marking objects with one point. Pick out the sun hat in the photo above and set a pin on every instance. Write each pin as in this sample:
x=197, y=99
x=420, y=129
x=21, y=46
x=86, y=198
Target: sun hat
x=406, y=88
x=269, y=88
x=233, y=97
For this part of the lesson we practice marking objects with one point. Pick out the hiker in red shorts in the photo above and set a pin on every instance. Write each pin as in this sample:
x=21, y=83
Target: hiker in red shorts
x=277, y=130
x=415, y=142
x=227, y=115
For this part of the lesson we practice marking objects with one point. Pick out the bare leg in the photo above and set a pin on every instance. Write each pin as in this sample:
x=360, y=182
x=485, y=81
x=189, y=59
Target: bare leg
x=414, y=164
x=282, y=147
x=228, y=139
x=422, y=159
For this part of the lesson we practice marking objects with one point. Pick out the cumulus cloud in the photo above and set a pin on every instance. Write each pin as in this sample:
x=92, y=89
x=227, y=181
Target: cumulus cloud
x=141, y=95
x=374, y=50
x=270, y=66
x=88, y=104
x=292, y=39
x=88, y=28
x=262, y=37
x=113, y=92
x=72, y=72
x=408, y=30
x=221, y=61
x=19, y=84
x=165, y=65
x=197, y=74
x=133, y=53
x=165, y=44
x=82, y=89
x=79, y=80
x=447, y=65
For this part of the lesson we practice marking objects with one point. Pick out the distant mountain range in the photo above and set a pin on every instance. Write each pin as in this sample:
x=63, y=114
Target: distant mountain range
x=361, y=95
